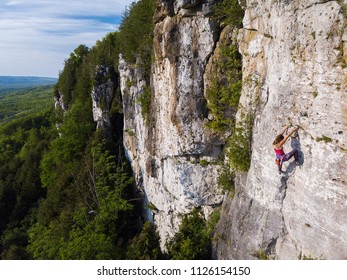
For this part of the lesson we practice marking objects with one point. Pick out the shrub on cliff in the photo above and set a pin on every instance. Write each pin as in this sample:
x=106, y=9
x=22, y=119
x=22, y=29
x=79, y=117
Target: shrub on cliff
x=239, y=145
x=229, y=12
x=145, y=102
x=224, y=93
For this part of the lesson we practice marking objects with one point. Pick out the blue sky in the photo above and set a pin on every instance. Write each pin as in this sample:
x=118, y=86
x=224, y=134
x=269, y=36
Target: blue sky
x=36, y=36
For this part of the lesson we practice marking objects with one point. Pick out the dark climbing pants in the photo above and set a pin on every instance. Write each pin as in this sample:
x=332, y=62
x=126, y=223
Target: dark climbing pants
x=291, y=154
x=287, y=157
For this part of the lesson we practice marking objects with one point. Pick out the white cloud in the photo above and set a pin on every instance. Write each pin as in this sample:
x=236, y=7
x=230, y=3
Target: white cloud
x=38, y=35
x=11, y=3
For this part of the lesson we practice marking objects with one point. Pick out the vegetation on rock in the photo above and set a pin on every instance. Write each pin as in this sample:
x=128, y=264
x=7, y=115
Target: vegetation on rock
x=68, y=193
x=193, y=240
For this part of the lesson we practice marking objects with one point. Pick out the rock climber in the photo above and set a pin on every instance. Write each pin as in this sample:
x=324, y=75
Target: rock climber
x=281, y=156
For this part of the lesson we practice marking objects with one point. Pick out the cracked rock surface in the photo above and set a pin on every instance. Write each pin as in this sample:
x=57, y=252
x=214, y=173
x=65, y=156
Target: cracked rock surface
x=294, y=71
x=173, y=156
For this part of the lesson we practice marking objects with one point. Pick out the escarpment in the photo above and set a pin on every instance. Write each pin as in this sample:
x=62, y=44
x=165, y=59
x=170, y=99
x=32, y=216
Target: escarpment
x=294, y=69
x=293, y=56
x=172, y=153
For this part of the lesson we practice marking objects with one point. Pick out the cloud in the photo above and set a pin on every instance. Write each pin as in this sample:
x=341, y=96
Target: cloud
x=38, y=35
x=11, y=3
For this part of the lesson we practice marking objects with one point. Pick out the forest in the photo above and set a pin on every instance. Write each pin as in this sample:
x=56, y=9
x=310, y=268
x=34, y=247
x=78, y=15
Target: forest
x=20, y=102
x=68, y=193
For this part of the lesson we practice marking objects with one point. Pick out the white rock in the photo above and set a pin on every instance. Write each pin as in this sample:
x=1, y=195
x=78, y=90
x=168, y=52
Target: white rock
x=165, y=155
x=294, y=48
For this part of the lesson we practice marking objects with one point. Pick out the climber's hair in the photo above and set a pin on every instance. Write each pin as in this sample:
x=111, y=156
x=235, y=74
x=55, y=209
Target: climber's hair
x=278, y=139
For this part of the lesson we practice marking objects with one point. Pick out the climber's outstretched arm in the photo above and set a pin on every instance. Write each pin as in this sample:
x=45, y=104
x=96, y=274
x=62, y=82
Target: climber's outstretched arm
x=287, y=136
x=284, y=129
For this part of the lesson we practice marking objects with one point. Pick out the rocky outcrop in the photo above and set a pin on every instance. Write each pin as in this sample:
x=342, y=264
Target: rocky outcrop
x=105, y=85
x=174, y=156
x=294, y=69
x=60, y=109
x=59, y=103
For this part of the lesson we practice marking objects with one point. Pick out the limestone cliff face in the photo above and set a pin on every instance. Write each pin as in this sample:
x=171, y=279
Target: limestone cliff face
x=174, y=155
x=102, y=95
x=294, y=71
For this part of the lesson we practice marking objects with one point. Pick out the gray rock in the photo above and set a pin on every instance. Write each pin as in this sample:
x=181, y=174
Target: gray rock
x=294, y=58
x=102, y=95
x=173, y=158
x=291, y=52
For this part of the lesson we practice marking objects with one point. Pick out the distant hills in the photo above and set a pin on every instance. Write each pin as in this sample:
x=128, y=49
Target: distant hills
x=8, y=83
x=23, y=95
x=22, y=102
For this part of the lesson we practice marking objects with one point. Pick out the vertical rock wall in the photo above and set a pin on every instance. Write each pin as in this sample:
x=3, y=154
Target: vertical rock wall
x=102, y=95
x=294, y=69
x=174, y=156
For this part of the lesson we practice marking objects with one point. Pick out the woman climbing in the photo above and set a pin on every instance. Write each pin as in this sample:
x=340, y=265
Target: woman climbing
x=278, y=147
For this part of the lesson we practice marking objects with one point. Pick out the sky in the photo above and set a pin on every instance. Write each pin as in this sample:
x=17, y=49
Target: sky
x=36, y=36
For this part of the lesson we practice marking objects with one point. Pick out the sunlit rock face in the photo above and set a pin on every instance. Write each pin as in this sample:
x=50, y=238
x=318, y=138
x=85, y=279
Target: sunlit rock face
x=59, y=103
x=102, y=95
x=174, y=155
x=294, y=71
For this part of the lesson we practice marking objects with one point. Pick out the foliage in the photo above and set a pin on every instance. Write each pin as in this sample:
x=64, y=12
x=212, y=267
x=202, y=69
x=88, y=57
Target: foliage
x=204, y=162
x=67, y=194
x=192, y=241
x=224, y=93
x=145, y=246
x=213, y=220
x=261, y=255
x=324, y=138
x=84, y=214
x=23, y=141
x=226, y=180
x=106, y=51
x=343, y=7
x=25, y=102
x=145, y=101
x=223, y=99
x=97, y=226
x=67, y=77
x=152, y=207
x=59, y=165
x=229, y=12
x=308, y=258
x=239, y=145
x=136, y=33
x=15, y=239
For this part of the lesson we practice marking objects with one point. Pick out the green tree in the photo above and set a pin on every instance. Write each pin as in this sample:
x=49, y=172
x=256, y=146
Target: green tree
x=23, y=141
x=224, y=93
x=67, y=77
x=239, y=145
x=192, y=241
x=136, y=33
x=229, y=12
x=145, y=246
x=97, y=225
